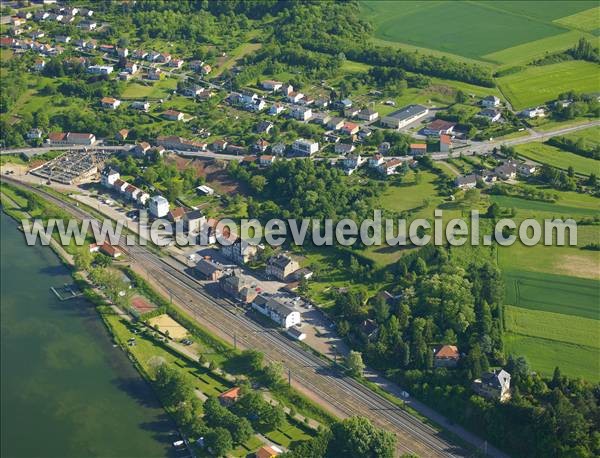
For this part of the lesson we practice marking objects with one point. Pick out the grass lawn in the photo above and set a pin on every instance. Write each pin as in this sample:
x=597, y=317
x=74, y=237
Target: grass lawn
x=558, y=158
x=544, y=355
x=158, y=90
x=538, y=84
x=457, y=27
x=288, y=434
x=236, y=54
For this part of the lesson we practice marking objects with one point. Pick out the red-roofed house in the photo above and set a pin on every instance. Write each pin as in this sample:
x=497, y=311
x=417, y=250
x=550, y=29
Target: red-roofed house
x=110, y=250
x=173, y=115
x=446, y=356
x=445, y=143
x=268, y=451
x=418, y=149
x=350, y=128
x=230, y=396
x=439, y=127
x=109, y=102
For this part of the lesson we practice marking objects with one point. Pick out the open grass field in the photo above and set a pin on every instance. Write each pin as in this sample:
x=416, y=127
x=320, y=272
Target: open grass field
x=590, y=136
x=553, y=293
x=558, y=158
x=538, y=84
x=158, y=90
x=458, y=27
x=554, y=326
x=584, y=20
x=544, y=355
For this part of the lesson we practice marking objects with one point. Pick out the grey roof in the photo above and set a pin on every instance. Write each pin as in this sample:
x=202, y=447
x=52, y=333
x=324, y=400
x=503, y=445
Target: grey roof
x=207, y=267
x=498, y=378
x=488, y=112
x=407, y=112
x=194, y=214
x=280, y=260
x=278, y=307
x=466, y=180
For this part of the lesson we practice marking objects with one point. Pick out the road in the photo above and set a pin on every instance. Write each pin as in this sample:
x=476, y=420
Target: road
x=31, y=152
x=310, y=374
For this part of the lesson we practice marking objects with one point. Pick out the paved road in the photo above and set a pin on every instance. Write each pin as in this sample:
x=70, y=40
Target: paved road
x=30, y=152
x=309, y=372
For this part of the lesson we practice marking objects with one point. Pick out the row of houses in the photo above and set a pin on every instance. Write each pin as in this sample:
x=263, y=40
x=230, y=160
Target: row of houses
x=111, y=179
x=507, y=171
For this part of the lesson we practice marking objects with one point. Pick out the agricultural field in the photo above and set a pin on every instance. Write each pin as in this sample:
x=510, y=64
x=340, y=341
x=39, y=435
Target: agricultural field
x=458, y=27
x=538, y=84
x=585, y=20
x=591, y=136
x=558, y=158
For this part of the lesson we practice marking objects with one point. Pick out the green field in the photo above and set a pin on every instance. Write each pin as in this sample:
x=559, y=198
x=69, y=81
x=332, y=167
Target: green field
x=585, y=20
x=538, y=84
x=158, y=90
x=544, y=355
x=558, y=158
x=459, y=27
x=553, y=293
x=591, y=136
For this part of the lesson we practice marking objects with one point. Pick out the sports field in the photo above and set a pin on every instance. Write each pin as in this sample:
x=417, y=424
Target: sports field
x=538, y=84
x=558, y=158
x=471, y=29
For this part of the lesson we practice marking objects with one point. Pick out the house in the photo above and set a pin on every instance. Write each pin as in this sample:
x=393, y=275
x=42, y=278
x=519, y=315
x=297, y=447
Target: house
x=418, y=149
x=321, y=118
x=376, y=160
x=445, y=143
x=264, y=127
x=287, y=89
x=193, y=221
x=230, y=396
x=191, y=91
x=120, y=185
x=154, y=73
x=159, y=206
x=141, y=149
x=143, y=197
x=336, y=123
x=269, y=451
x=139, y=54
x=531, y=113
x=345, y=103
x=364, y=133
x=491, y=101
x=351, y=163
x=173, y=115
x=351, y=112
x=282, y=314
x=322, y=102
x=384, y=147
x=108, y=176
x=270, y=85
x=295, y=97
x=526, y=169
x=281, y=266
x=176, y=214
x=266, y=160
x=206, y=69
x=87, y=25
x=164, y=58
x=258, y=105
x=219, y=145
x=39, y=65
x=369, y=329
x=303, y=147
x=494, y=385
x=107, y=48
x=240, y=251
x=301, y=113
x=38, y=34
x=367, y=114
x=143, y=106
x=490, y=114
x=71, y=138
x=390, y=167
x=343, y=148
x=206, y=190
x=91, y=45
x=349, y=128
x=176, y=143
x=176, y=63
x=248, y=97
x=276, y=109
x=100, y=69
x=446, y=356
x=237, y=286
x=122, y=134
x=131, y=192
x=439, y=127
x=506, y=171
x=110, y=250
x=109, y=102
x=404, y=116
x=261, y=145
x=34, y=133
x=131, y=68
x=62, y=39
x=278, y=148
x=466, y=182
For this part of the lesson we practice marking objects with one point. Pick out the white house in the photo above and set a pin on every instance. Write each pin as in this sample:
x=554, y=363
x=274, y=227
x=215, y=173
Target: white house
x=305, y=147
x=301, y=113
x=466, y=182
x=390, y=167
x=100, y=69
x=109, y=102
x=270, y=85
x=159, y=206
x=531, y=113
x=490, y=114
x=108, y=177
x=368, y=114
x=491, y=101
x=284, y=315
x=295, y=97
x=143, y=106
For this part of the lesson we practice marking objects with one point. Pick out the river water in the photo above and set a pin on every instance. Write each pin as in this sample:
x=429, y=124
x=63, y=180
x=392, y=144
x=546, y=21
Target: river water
x=65, y=390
